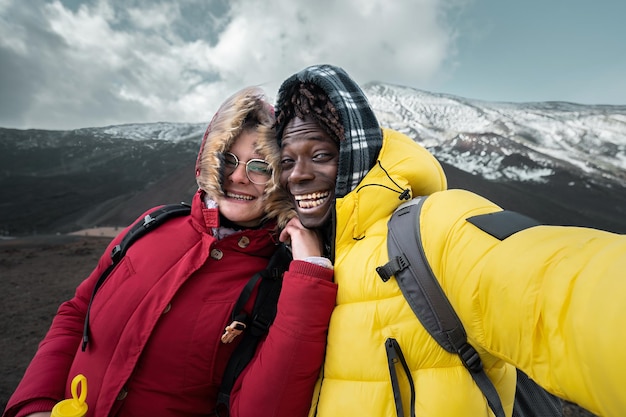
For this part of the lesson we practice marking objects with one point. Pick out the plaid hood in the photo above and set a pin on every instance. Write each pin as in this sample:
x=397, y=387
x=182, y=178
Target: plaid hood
x=363, y=136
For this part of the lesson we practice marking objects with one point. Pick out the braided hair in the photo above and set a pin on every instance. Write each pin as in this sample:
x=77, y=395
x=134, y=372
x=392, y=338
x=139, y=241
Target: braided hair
x=308, y=99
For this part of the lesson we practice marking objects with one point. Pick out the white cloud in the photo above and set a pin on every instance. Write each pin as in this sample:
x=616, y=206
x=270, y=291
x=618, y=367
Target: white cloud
x=90, y=41
x=401, y=42
x=113, y=61
x=154, y=16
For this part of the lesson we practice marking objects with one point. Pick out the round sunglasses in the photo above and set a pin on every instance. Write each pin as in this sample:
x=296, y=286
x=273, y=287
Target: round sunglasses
x=258, y=171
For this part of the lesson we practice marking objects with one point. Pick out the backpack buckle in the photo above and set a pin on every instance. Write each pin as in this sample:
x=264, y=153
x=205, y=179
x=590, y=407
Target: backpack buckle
x=384, y=273
x=470, y=358
x=395, y=265
x=116, y=253
x=233, y=330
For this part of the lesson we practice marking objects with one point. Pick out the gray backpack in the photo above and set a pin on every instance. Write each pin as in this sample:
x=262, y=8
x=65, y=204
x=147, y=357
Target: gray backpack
x=421, y=289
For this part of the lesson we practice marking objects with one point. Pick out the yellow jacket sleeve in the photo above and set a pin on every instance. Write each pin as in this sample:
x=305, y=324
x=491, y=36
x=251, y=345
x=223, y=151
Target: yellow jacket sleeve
x=548, y=299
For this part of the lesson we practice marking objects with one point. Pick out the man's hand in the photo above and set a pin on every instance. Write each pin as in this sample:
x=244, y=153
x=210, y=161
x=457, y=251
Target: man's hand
x=304, y=242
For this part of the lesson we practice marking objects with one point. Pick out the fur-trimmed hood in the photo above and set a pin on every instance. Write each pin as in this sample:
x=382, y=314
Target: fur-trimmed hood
x=224, y=128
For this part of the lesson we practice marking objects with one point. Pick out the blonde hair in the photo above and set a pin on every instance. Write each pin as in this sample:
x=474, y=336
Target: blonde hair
x=246, y=110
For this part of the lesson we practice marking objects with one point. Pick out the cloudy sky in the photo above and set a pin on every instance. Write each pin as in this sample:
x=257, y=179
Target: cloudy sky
x=67, y=64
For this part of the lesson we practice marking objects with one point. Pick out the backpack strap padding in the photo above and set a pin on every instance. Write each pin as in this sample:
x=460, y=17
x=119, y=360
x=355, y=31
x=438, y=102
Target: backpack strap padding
x=427, y=299
x=417, y=281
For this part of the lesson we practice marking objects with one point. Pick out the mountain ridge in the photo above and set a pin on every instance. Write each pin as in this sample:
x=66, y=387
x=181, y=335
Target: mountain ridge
x=562, y=163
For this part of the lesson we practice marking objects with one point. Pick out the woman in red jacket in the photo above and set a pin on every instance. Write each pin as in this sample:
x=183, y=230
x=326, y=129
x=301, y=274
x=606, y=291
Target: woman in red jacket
x=155, y=327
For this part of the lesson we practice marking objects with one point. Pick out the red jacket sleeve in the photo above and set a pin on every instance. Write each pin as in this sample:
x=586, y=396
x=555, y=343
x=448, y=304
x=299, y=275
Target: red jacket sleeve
x=44, y=381
x=281, y=377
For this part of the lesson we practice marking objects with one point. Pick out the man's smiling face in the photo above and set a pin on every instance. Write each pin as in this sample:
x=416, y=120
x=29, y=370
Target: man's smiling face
x=309, y=159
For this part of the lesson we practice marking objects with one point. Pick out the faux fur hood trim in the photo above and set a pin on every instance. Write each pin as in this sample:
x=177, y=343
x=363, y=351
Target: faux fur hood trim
x=224, y=128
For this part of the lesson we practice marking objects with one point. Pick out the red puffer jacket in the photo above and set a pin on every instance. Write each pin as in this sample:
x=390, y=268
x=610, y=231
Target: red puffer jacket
x=156, y=323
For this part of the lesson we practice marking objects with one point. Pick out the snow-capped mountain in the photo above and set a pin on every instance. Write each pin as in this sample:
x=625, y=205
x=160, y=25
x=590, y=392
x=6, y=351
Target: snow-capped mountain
x=522, y=142
x=561, y=163
x=496, y=140
x=174, y=132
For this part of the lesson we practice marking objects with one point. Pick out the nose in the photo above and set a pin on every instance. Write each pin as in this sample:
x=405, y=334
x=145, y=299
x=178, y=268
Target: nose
x=302, y=171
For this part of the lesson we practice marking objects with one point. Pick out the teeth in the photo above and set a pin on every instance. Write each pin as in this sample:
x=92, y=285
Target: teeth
x=239, y=196
x=312, y=196
x=311, y=200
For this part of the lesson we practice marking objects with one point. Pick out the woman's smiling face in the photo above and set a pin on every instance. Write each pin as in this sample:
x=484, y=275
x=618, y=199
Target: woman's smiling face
x=243, y=202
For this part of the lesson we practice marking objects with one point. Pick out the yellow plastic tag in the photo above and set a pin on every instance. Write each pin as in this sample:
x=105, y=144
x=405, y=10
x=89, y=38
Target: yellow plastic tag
x=75, y=406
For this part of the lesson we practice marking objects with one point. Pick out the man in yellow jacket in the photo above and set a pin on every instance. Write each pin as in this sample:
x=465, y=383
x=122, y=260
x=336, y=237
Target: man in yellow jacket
x=547, y=300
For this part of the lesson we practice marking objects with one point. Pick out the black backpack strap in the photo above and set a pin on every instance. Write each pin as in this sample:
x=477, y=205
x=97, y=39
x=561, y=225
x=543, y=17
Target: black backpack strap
x=533, y=401
x=425, y=296
x=395, y=357
x=150, y=221
x=257, y=326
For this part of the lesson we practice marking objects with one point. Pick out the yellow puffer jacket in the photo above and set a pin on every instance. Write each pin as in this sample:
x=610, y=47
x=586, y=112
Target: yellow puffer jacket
x=516, y=298
x=548, y=299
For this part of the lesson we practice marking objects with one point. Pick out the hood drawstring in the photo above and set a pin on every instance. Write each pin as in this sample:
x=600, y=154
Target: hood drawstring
x=405, y=193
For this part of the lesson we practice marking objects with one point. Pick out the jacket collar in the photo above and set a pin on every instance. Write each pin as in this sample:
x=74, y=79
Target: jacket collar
x=403, y=166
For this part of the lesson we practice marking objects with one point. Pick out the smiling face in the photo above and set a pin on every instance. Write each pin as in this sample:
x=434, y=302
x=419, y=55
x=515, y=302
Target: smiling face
x=309, y=160
x=243, y=201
